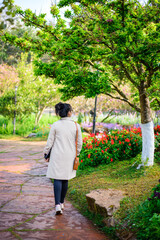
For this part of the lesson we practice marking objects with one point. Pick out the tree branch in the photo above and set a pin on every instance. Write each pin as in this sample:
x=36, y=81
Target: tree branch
x=125, y=100
x=40, y=26
x=128, y=75
x=155, y=99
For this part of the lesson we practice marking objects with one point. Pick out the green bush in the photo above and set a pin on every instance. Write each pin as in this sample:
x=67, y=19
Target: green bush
x=80, y=118
x=145, y=218
x=26, y=125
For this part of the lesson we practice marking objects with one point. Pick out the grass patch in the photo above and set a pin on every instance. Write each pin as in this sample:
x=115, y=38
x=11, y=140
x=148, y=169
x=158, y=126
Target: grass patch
x=122, y=175
x=19, y=138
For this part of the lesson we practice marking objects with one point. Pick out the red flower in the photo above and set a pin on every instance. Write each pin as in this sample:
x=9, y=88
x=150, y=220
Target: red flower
x=129, y=144
x=116, y=137
x=124, y=151
x=112, y=141
x=107, y=157
x=102, y=151
x=81, y=160
x=106, y=149
x=120, y=142
x=111, y=159
x=89, y=155
x=127, y=140
x=92, y=135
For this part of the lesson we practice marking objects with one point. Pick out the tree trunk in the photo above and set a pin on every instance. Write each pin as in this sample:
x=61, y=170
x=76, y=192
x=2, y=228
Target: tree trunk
x=36, y=117
x=147, y=130
x=39, y=115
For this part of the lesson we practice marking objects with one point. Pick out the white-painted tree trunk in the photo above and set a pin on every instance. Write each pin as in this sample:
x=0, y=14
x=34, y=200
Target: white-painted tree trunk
x=147, y=144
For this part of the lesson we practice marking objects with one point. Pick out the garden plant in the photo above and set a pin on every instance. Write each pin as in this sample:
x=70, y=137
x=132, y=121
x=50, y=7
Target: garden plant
x=118, y=145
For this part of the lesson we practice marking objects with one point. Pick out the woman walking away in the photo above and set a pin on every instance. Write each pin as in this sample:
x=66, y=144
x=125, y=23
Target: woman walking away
x=61, y=142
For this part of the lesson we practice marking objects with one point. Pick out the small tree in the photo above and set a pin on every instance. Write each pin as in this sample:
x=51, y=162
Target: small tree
x=36, y=93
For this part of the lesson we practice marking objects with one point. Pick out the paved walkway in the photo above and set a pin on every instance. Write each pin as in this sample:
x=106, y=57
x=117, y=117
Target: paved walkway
x=27, y=201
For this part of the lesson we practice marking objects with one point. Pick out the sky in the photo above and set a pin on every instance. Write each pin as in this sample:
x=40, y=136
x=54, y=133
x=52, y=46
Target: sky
x=40, y=6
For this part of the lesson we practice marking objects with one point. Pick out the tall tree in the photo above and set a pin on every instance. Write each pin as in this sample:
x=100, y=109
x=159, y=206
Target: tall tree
x=108, y=43
x=124, y=37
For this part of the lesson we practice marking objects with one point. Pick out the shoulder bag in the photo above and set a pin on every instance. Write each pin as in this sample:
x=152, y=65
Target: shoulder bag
x=76, y=160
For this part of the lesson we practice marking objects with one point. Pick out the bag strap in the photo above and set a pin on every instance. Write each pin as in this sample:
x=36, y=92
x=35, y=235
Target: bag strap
x=76, y=137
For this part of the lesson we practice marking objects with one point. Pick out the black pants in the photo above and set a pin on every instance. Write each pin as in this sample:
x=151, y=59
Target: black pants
x=60, y=190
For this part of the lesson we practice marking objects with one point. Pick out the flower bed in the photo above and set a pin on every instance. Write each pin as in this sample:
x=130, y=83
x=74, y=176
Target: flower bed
x=104, y=148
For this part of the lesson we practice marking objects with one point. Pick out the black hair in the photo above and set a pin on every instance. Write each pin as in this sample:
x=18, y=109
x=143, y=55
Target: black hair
x=62, y=109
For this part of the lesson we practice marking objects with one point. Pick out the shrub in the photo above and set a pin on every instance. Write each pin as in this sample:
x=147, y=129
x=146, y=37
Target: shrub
x=26, y=125
x=80, y=118
x=145, y=218
x=116, y=146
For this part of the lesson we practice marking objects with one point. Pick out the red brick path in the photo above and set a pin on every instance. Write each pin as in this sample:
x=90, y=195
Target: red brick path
x=27, y=202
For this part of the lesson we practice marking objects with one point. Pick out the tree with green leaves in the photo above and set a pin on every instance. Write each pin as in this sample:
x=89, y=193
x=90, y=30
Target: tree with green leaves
x=34, y=93
x=108, y=44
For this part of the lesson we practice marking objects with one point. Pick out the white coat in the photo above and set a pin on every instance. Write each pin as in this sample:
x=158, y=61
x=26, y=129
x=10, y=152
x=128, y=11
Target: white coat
x=62, y=141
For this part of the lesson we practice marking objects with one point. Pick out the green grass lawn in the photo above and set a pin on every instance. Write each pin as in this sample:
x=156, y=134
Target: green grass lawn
x=137, y=184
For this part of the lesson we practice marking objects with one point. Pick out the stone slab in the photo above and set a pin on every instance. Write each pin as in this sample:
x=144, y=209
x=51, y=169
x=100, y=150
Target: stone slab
x=39, y=181
x=6, y=198
x=18, y=162
x=9, y=188
x=18, y=168
x=29, y=204
x=8, y=220
x=37, y=190
x=7, y=236
x=103, y=201
x=6, y=159
x=38, y=171
x=8, y=177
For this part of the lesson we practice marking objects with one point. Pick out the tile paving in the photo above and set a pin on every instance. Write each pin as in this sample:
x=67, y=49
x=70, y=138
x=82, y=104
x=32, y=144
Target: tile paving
x=27, y=201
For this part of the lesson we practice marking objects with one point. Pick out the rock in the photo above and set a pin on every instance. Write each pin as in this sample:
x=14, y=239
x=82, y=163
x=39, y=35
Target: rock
x=110, y=221
x=87, y=130
x=104, y=202
x=32, y=135
x=98, y=129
